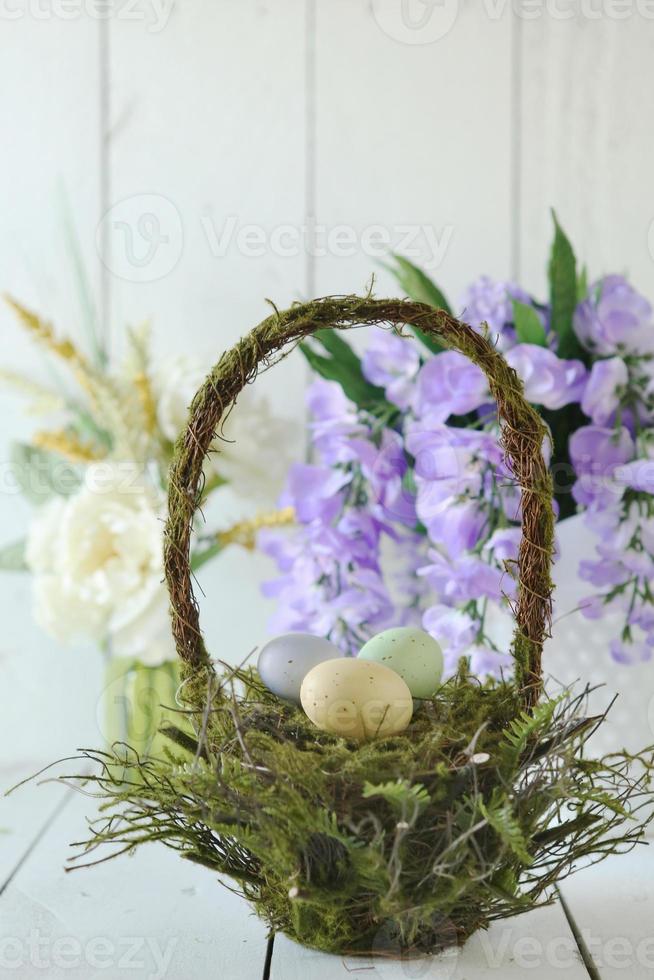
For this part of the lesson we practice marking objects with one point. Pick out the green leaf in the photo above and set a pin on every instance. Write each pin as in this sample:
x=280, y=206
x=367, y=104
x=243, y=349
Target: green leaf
x=334, y=344
x=582, y=284
x=418, y=286
x=204, y=554
x=12, y=557
x=563, y=291
x=41, y=475
x=528, y=327
x=399, y=794
x=344, y=367
x=522, y=729
x=501, y=819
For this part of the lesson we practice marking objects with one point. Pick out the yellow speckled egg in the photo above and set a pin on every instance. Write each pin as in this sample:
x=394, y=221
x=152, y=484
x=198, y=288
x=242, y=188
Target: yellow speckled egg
x=411, y=653
x=357, y=699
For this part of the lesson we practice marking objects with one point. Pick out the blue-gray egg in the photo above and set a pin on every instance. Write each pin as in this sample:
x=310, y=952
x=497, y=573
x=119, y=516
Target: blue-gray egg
x=285, y=661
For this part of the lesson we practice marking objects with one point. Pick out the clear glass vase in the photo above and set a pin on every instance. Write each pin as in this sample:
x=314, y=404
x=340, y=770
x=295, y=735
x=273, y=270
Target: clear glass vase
x=136, y=701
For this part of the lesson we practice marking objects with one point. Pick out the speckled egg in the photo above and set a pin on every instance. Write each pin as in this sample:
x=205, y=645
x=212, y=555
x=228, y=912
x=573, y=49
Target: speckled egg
x=357, y=699
x=411, y=653
x=285, y=661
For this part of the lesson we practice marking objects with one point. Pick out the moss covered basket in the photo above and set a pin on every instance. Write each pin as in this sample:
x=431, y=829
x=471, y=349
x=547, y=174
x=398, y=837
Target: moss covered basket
x=396, y=846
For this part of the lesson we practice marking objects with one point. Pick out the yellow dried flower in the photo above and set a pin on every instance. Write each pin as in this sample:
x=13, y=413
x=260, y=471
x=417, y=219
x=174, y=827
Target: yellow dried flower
x=143, y=387
x=137, y=368
x=68, y=445
x=245, y=532
x=41, y=399
x=45, y=334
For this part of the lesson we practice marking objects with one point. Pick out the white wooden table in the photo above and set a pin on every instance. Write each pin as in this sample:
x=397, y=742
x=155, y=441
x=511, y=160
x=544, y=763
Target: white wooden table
x=154, y=916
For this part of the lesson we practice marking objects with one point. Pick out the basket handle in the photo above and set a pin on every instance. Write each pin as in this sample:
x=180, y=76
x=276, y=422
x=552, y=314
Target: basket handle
x=523, y=432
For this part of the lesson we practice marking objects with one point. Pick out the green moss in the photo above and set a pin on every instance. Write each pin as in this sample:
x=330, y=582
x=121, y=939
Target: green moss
x=403, y=844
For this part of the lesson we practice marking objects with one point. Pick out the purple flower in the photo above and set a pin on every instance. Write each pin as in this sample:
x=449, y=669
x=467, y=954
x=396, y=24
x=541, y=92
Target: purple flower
x=631, y=653
x=638, y=474
x=596, y=452
x=334, y=422
x=489, y=301
x=284, y=549
x=327, y=402
x=331, y=584
x=642, y=616
x=384, y=468
x=454, y=629
x=314, y=491
x=462, y=579
x=605, y=383
x=592, y=607
x=504, y=544
x=603, y=573
x=485, y=661
x=392, y=363
x=548, y=380
x=455, y=526
x=448, y=384
x=615, y=318
x=451, y=457
x=639, y=563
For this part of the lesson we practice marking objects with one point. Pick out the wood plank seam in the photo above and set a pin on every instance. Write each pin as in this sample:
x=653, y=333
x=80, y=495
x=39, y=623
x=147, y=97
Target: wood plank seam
x=515, y=189
x=310, y=147
x=584, y=952
x=104, y=135
x=270, y=945
x=40, y=834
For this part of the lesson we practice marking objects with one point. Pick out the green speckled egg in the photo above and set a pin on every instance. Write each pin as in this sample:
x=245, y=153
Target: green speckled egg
x=411, y=653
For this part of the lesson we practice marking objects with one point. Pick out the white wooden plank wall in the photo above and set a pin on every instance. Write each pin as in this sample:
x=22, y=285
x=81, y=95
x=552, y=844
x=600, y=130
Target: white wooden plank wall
x=222, y=137
x=218, y=135
x=49, y=118
x=586, y=140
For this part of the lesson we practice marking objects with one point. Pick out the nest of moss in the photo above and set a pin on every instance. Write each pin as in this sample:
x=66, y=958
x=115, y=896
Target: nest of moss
x=397, y=846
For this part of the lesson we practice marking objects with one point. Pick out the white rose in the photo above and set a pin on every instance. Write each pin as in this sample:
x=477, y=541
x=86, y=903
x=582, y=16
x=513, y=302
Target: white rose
x=251, y=450
x=97, y=559
x=175, y=383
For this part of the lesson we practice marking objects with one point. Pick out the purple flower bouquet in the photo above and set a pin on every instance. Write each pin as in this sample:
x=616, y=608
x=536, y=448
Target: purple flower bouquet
x=407, y=513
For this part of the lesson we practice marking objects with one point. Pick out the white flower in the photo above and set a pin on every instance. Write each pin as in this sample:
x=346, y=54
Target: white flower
x=175, y=383
x=97, y=559
x=251, y=450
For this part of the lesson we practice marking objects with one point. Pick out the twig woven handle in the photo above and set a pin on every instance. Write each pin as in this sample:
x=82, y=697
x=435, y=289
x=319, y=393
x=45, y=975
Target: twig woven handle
x=523, y=432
